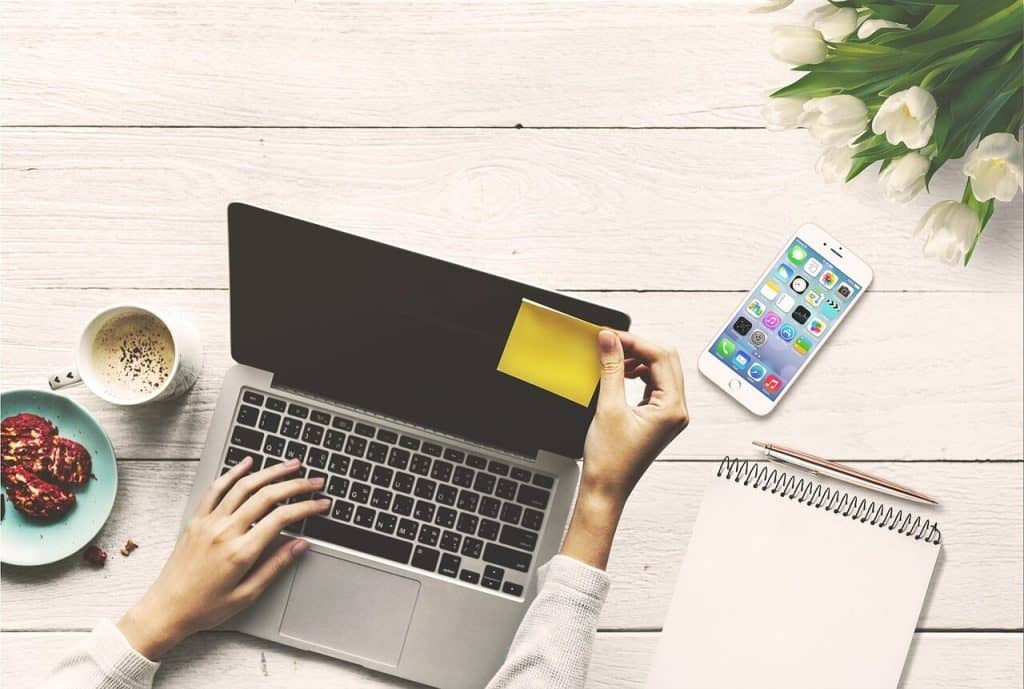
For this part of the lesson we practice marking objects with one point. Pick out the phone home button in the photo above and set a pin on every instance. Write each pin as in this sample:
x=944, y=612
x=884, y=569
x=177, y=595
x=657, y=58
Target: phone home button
x=735, y=384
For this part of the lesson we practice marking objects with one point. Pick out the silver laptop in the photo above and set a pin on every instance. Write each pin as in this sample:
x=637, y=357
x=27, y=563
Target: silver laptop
x=451, y=482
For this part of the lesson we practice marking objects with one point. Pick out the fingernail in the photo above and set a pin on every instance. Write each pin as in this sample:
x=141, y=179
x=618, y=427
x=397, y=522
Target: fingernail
x=316, y=482
x=606, y=341
x=292, y=463
x=324, y=503
x=299, y=547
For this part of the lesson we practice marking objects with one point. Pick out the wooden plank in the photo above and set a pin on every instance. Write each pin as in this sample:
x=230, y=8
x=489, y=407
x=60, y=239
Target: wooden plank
x=623, y=209
x=221, y=660
x=895, y=371
x=405, y=64
x=977, y=584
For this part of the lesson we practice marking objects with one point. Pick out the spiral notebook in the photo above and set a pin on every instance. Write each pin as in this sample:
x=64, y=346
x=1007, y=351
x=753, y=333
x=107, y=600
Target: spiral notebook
x=791, y=582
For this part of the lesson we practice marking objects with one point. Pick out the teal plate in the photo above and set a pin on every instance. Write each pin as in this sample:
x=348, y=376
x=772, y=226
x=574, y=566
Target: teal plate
x=28, y=542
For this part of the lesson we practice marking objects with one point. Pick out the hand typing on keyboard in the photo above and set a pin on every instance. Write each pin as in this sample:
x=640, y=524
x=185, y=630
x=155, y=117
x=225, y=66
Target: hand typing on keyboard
x=623, y=440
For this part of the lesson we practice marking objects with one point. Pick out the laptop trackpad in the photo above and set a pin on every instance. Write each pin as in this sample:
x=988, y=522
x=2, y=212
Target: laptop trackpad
x=350, y=608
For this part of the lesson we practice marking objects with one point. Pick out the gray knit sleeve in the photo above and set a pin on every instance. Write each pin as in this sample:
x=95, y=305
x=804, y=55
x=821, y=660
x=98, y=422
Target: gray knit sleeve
x=103, y=660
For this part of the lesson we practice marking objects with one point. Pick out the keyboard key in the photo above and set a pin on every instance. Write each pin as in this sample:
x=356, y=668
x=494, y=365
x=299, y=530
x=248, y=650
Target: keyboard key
x=398, y=458
x=469, y=576
x=446, y=495
x=488, y=529
x=236, y=455
x=338, y=487
x=489, y=507
x=295, y=451
x=407, y=528
x=402, y=504
x=343, y=510
x=445, y=517
x=355, y=446
x=512, y=589
x=532, y=519
x=252, y=397
x=366, y=429
x=381, y=499
x=320, y=417
x=457, y=456
x=334, y=440
x=467, y=523
x=387, y=436
x=506, y=557
x=382, y=476
x=385, y=523
x=533, y=497
x=359, y=492
x=472, y=547
x=468, y=500
x=494, y=584
x=425, y=558
x=378, y=452
x=370, y=542
x=441, y=471
x=518, y=538
x=360, y=470
x=543, y=481
x=276, y=404
x=451, y=541
x=291, y=428
x=404, y=482
x=462, y=477
x=420, y=465
x=298, y=410
x=498, y=468
x=510, y=513
x=424, y=511
x=484, y=483
x=339, y=464
x=269, y=421
x=425, y=489
x=247, y=416
x=449, y=565
x=409, y=443
x=364, y=517
x=476, y=462
x=342, y=423
x=317, y=457
x=312, y=434
x=520, y=474
x=492, y=572
x=429, y=534
x=246, y=437
x=274, y=446
x=431, y=449
x=506, y=489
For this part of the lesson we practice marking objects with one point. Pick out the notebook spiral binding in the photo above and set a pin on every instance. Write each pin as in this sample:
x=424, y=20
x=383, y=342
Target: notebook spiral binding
x=812, y=494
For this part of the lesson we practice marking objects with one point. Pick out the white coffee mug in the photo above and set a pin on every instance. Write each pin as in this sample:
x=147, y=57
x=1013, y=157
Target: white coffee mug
x=181, y=374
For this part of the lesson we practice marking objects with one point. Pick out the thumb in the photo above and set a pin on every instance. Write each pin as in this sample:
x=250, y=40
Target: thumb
x=613, y=382
x=268, y=570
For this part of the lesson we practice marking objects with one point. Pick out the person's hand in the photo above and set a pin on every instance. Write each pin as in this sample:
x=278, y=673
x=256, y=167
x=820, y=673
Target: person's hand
x=623, y=440
x=213, y=572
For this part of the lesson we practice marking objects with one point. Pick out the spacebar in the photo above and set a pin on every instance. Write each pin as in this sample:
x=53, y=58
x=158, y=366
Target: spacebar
x=368, y=542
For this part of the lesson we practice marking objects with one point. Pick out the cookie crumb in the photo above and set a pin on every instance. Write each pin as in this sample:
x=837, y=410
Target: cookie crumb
x=129, y=547
x=95, y=555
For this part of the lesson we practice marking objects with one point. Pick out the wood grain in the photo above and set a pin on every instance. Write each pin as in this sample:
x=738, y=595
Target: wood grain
x=977, y=584
x=595, y=210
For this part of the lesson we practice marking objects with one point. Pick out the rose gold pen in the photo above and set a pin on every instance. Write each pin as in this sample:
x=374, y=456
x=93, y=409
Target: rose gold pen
x=842, y=472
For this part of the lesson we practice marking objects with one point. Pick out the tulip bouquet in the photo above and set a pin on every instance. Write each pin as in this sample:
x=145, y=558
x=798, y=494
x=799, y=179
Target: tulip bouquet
x=912, y=84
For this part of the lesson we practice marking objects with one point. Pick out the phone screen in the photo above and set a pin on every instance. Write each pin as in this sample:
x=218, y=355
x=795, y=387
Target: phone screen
x=784, y=318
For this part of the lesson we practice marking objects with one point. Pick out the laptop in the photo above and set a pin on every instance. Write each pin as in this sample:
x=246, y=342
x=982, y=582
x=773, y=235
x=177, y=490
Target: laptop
x=451, y=482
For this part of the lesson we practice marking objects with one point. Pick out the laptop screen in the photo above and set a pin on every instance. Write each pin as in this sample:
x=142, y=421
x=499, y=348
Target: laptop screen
x=394, y=332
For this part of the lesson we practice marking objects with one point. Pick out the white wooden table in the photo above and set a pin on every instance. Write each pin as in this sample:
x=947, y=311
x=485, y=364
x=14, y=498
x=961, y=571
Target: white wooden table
x=610, y=149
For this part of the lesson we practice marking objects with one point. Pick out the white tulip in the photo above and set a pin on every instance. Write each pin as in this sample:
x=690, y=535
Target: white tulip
x=835, y=120
x=904, y=177
x=834, y=23
x=870, y=26
x=772, y=6
x=835, y=163
x=783, y=112
x=948, y=230
x=798, y=45
x=995, y=168
x=907, y=117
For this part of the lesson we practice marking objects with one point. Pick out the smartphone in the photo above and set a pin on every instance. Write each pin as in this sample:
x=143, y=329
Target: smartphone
x=785, y=320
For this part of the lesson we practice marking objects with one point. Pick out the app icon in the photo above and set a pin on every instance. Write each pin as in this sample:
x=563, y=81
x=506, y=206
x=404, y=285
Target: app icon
x=756, y=372
x=813, y=297
x=817, y=327
x=771, y=320
x=828, y=278
x=758, y=338
x=787, y=333
x=798, y=285
x=797, y=255
x=844, y=290
x=785, y=303
x=725, y=347
x=802, y=346
x=742, y=325
x=830, y=308
x=813, y=267
x=755, y=308
x=784, y=273
x=801, y=314
x=770, y=290
x=741, y=360
x=772, y=384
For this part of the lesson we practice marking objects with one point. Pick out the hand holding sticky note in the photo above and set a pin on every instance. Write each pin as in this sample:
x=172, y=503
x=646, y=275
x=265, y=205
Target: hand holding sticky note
x=554, y=351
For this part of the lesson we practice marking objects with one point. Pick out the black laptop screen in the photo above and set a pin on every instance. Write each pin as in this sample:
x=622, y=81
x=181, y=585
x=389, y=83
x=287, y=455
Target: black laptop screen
x=393, y=331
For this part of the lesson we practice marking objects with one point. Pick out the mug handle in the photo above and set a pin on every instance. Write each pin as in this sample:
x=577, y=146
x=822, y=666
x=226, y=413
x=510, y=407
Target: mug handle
x=63, y=378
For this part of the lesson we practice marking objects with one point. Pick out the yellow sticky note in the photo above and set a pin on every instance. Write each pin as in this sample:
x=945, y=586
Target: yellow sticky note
x=554, y=351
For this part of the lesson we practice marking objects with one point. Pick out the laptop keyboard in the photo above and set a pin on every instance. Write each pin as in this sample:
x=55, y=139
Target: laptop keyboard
x=416, y=502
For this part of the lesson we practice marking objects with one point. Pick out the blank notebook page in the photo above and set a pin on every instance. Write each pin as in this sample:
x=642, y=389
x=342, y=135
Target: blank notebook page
x=775, y=593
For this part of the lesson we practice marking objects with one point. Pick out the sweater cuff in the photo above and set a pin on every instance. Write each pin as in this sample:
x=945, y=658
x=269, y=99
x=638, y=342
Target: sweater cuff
x=117, y=658
x=576, y=575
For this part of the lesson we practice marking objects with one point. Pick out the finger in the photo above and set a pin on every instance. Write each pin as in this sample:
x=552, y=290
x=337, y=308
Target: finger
x=640, y=371
x=220, y=486
x=658, y=360
x=241, y=491
x=263, y=574
x=267, y=498
x=280, y=517
x=612, y=393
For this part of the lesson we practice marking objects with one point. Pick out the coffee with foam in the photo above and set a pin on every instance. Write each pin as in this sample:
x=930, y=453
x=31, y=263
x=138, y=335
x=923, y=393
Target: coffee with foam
x=133, y=356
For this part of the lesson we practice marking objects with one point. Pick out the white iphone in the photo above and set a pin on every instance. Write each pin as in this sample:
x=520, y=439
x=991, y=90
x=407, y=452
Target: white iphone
x=783, y=322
